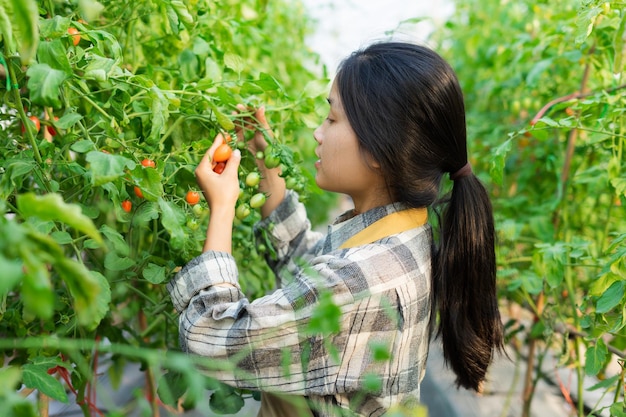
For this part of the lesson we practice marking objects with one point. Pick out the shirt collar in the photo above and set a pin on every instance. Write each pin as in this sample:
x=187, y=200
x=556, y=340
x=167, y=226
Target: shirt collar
x=348, y=224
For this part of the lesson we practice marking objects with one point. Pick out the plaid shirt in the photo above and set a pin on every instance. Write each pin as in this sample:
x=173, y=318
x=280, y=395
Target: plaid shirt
x=374, y=359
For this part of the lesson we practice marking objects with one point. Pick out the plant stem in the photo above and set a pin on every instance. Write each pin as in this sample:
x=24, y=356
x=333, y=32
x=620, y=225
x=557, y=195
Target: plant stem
x=20, y=110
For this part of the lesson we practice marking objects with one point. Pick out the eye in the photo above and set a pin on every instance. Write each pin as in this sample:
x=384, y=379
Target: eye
x=329, y=120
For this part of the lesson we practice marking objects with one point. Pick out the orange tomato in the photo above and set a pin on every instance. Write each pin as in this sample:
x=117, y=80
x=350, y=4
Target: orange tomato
x=36, y=123
x=222, y=153
x=75, y=35
x=138, y=192
x=192, y=197
x=127, y=206
x=148, y=163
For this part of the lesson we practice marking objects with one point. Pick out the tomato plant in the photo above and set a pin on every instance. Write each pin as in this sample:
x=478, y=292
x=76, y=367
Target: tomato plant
x=95, y=210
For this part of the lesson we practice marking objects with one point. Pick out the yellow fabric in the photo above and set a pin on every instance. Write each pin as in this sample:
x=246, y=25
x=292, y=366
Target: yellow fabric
x=283, y=406
x=391, y=224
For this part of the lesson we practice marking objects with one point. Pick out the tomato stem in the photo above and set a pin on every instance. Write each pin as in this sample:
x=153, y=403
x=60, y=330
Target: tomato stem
x=20, y=110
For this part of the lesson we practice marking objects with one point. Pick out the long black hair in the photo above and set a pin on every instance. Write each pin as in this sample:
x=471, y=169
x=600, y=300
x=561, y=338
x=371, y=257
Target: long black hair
x=406, y=107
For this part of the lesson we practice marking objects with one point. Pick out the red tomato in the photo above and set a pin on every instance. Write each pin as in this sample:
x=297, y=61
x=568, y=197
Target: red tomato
x=192, y=197
x=138, y=192
x=222, y=153
x=36, y=123
x=75, y=35
x=148, y=163
x=219, y=168
x=127, y=206
x=51, y=128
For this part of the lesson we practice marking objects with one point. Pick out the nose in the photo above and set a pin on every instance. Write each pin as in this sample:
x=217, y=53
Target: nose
x=317, y=134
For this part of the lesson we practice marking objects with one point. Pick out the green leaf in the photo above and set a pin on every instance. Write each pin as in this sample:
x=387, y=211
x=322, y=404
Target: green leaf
x=36, y=376
x=160, y=114
x=115, y=239
x=36, y=290
x=25, y=16
x=172, y=218
x=10, y=378
x=83, y=146
x=114, y=262
x=497, y=163
x=154, y=273
x=89, y=289
x=146, y=212
x=171, y=387
x=611, y=297
x=150, y=182
x=183, y=13
x=585, y=22
x=44, y=84
x=234, y=62
x=222, y=119
x=51, y=207
x=106, y=167
x=99, y=68
x=11, y=274
x=618, y=46
x=618, y=409
x=6, y=30
x=54, y=54
x=90, y=9
x=595, y=357
x=225, y=401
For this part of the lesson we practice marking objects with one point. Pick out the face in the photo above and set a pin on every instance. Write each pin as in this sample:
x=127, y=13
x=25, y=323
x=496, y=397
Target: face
x=342, y=167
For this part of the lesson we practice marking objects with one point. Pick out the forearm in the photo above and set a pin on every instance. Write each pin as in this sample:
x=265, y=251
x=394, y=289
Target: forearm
x=273, y=185
x=219, y=234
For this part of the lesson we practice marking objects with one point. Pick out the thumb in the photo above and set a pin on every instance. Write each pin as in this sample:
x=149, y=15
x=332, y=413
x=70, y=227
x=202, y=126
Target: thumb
x=233, y=163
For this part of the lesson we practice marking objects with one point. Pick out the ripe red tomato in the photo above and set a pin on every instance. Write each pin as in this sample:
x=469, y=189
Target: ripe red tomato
x=127, y=206
x=192, y=197
x=219, y=168
x=51, y=130
x=148, y=163
x=222, y=153
x=138, y=192
x=36, y=124
x=75, y=35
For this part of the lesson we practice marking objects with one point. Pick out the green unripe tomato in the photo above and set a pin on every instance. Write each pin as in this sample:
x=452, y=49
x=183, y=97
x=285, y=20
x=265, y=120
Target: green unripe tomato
x=259, y=155
x=252, y=179
x=291, y=183
x=271, y=161
x=257, y=200
x=242, y=211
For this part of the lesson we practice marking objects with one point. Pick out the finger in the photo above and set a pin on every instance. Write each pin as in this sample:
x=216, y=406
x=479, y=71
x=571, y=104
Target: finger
x=206, y=161
x=232, y=165
x=260, y=117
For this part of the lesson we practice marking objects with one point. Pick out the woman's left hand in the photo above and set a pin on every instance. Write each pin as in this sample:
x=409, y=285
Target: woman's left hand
x=220, y=190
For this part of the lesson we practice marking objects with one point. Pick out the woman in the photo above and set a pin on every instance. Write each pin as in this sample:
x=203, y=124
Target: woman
x=395, y=127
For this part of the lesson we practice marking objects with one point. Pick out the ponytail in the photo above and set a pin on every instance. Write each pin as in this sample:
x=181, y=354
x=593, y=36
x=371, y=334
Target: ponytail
x=465, y=283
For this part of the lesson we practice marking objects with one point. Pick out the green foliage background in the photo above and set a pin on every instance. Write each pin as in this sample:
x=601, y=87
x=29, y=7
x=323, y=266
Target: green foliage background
x=158, y=79
x=545, y=93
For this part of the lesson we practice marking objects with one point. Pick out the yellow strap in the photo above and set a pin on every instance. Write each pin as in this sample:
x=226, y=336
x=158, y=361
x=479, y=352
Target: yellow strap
x=391, y=224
